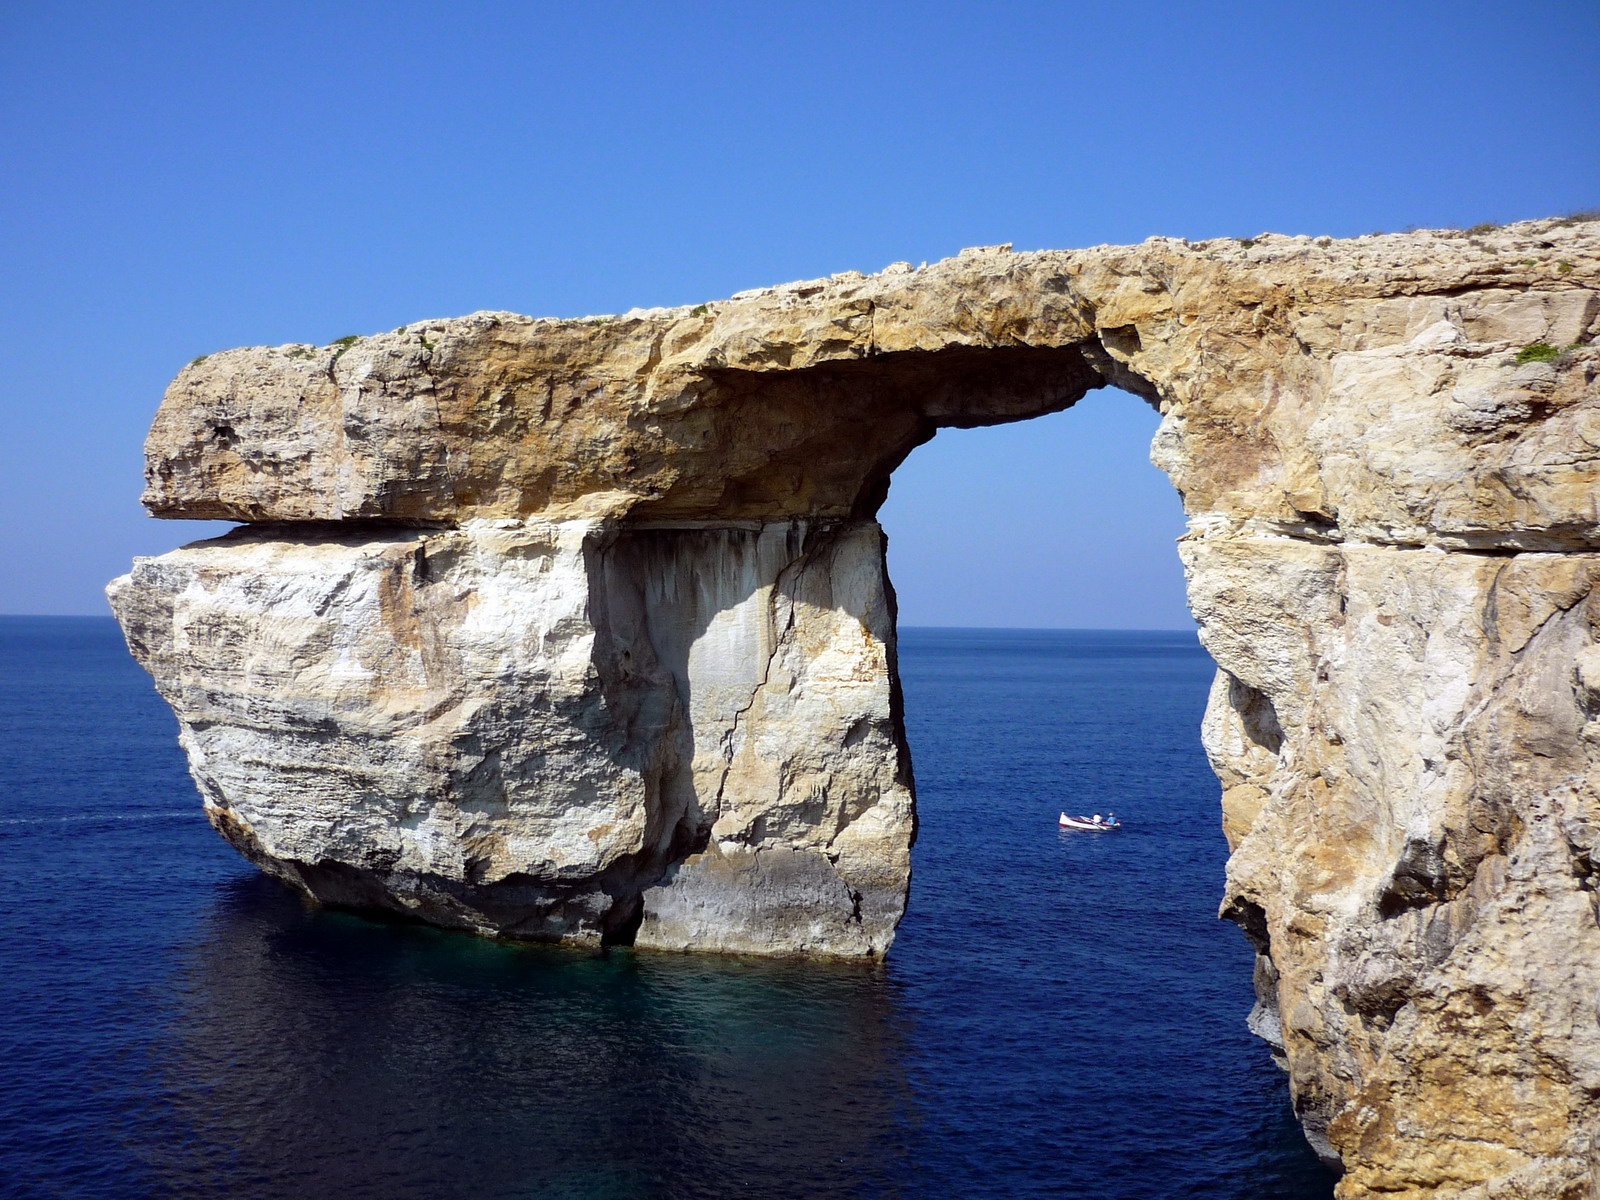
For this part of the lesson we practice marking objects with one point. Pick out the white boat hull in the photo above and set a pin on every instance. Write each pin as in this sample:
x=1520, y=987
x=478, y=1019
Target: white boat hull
x=1086, y=824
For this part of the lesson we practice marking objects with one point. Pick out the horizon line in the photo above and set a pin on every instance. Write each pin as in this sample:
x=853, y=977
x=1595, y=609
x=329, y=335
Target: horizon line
x=953, y=628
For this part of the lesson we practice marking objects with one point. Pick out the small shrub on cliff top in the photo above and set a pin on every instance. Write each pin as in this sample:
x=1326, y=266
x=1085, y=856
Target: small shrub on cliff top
x=195, y=362
x=1538, y=352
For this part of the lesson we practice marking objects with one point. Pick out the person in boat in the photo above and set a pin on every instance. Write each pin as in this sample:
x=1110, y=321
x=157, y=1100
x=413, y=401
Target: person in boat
x=1096, y=819
x=1111, y=818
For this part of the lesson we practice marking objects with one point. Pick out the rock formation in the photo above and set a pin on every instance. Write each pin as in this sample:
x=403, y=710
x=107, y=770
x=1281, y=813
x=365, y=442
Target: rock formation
x=579, y=630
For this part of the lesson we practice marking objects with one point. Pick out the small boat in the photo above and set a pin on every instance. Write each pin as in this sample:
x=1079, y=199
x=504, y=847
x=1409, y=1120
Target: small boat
x=1096, y=824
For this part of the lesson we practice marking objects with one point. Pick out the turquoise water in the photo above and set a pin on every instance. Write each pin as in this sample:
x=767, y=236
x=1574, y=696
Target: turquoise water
x=1061, y=1015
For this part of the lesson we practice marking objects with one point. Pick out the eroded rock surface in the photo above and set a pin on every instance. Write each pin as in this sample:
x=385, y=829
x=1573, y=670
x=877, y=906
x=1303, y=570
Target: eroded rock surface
x=532, y=729
x=579, y=630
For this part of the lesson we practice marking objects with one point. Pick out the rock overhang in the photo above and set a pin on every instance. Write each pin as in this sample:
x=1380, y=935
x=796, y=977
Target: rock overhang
x=797, y=400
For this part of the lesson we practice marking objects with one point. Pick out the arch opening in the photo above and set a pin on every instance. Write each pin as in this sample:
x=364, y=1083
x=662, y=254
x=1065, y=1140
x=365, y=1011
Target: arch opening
x=1007, y=726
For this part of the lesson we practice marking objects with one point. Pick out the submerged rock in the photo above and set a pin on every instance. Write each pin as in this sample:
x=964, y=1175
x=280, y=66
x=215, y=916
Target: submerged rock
x=580, y=630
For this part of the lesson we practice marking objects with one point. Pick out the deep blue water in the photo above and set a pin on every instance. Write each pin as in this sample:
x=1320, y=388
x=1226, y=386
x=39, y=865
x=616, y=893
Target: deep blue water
x=1061, y=1015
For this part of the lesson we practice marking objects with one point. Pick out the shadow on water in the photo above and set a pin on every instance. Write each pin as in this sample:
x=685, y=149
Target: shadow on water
x=309, y=1052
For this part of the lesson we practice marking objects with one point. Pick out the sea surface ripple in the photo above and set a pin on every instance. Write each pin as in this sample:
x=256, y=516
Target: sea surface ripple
x=1062, y=1014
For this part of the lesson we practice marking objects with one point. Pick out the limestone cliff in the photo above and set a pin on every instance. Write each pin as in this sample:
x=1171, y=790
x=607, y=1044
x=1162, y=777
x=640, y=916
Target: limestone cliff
x=580, y=630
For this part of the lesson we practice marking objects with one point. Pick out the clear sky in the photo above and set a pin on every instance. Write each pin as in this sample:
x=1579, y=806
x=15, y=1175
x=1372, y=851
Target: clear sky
x=180, y=178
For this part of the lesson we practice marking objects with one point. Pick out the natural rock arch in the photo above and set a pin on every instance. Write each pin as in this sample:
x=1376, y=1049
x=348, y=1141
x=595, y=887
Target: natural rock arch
x=580, y=630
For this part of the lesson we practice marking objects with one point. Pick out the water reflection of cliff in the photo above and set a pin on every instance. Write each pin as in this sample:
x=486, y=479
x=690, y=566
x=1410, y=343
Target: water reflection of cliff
x=312, y=1053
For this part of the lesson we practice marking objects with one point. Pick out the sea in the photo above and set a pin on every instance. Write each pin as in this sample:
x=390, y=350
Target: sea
x=1061, y=1015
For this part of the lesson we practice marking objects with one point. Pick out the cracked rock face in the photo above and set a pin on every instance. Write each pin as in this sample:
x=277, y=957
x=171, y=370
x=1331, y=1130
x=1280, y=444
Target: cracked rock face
x=549, y=730
x=580, y=631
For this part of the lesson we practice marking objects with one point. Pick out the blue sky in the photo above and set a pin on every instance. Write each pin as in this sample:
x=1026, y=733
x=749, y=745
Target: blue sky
x=180, y=178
